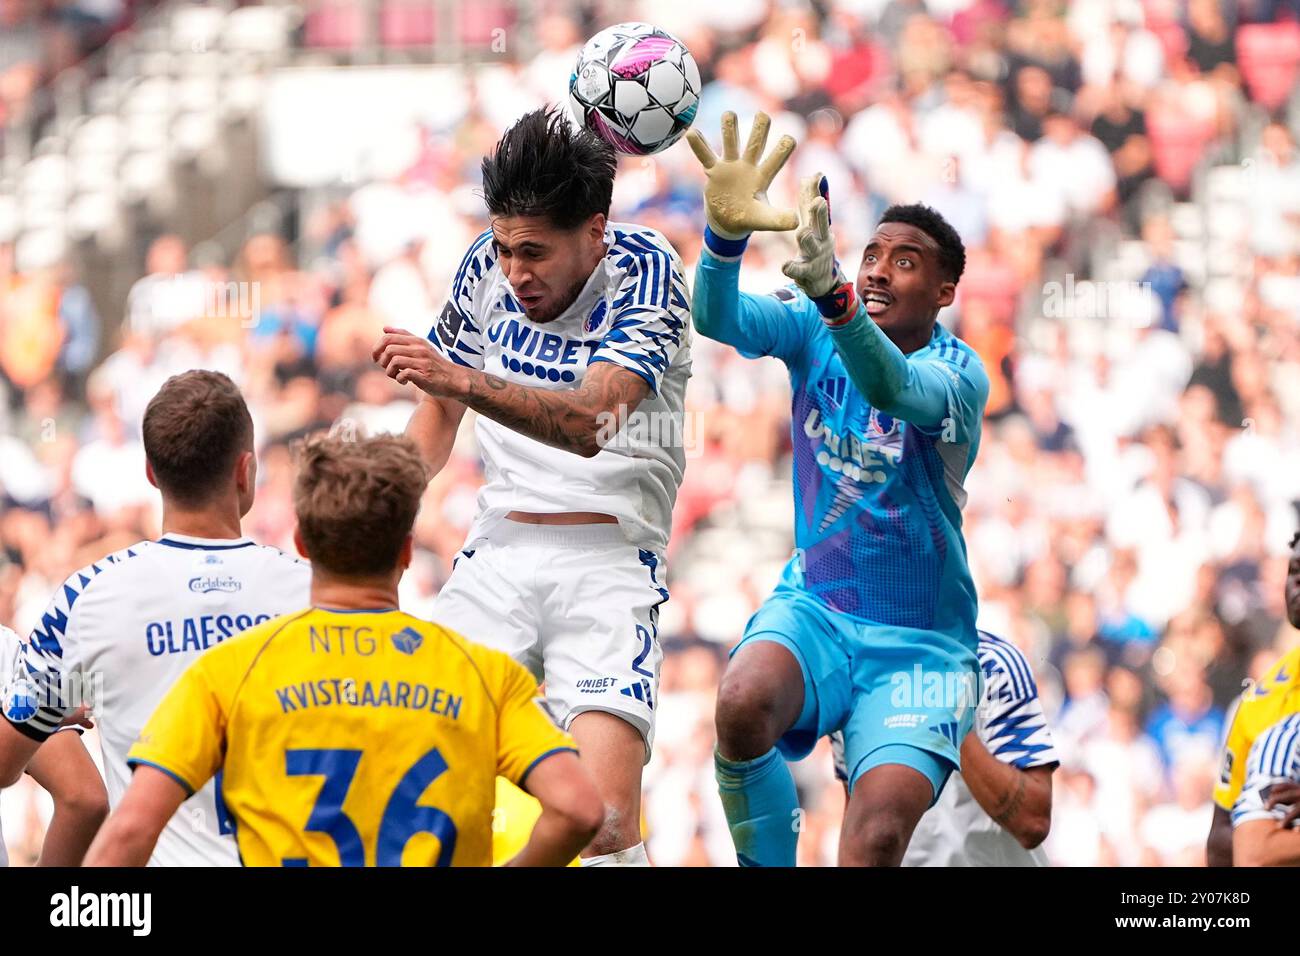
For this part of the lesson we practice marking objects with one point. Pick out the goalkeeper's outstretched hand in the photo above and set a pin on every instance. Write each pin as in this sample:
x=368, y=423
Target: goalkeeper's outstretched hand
x=816, y=270
x=735, y=198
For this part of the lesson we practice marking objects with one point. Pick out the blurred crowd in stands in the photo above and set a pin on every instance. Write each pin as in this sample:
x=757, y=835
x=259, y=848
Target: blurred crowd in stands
x=41, y=38
x=1125, y=176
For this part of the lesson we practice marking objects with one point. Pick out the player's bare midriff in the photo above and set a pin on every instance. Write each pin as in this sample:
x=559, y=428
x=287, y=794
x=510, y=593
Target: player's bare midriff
x=561, y=517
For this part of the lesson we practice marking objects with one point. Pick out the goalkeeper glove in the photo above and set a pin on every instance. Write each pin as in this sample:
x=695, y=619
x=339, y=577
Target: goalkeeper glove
x=816, y=270
x=735, y=196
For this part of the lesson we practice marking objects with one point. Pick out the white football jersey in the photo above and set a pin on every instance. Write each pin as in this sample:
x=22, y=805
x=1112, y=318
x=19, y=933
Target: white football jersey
x=123, y=629
x=1010, y=722
x=1274, y=758
x=956, y=831
x=634, y=311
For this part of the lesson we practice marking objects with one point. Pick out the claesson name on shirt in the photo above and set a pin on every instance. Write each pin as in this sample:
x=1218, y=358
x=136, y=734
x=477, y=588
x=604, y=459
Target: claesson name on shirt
x=196, y=633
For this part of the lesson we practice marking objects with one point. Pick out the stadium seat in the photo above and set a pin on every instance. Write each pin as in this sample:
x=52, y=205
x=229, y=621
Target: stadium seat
x=1228, y=220
x=1269, y=57
x=1190, y=257
x=262, y=30
x=407, y=23
x=1225, y=184
x=196, y=29
x=154, y=95
x=90, y=213
x=147, y=131
x=194, y=132
x=198, y=94
x=202, y=64
x=142, y=173
x=40, y=248
x=1130, y=260
x=334, y=25
x=94, y=171
x=1224, y=258
x=1186, y=219
x=242, y=92
x=47, y=175
x=477, y=22
x=160, y=63
x=96, y=135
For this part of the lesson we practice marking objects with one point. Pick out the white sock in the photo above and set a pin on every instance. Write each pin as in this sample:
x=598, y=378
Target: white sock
x=632, y=856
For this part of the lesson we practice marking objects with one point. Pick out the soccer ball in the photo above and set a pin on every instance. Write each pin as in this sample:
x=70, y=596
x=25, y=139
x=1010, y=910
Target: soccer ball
x=636, y=87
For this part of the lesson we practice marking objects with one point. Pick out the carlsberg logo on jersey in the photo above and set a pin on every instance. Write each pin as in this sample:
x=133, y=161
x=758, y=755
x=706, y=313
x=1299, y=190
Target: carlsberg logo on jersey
x=103, y=909
x=207, y=583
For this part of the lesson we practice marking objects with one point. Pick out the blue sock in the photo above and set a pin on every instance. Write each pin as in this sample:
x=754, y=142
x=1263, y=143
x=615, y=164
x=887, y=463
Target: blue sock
x=760, y=801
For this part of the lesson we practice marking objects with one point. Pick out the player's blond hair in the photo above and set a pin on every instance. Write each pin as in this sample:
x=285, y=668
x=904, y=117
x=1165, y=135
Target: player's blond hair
x=356, y=501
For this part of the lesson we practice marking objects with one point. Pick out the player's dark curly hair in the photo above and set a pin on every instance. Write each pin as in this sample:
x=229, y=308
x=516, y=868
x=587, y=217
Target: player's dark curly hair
x=546, y=166
x=952, y=251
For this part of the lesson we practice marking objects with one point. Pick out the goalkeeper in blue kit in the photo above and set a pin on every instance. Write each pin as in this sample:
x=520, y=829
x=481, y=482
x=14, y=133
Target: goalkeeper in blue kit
x=871, y=629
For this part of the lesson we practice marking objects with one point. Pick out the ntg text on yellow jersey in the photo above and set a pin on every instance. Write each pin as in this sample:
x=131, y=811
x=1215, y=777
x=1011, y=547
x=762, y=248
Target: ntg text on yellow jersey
x=1259, y=708
x=354, y=738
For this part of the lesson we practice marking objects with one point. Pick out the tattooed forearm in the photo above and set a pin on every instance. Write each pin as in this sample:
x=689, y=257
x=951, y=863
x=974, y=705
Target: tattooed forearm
x=569, y=420
x=1012, y=804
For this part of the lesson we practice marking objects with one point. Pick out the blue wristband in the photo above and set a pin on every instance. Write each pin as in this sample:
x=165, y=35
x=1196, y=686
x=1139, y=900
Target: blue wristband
x=724, y=248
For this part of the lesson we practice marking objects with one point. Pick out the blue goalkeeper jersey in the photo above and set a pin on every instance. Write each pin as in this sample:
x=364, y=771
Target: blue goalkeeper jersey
x=878, y=491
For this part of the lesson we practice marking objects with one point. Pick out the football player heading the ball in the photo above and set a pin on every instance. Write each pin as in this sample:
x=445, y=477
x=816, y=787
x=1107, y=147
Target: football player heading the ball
x=566, y=333
x=886, y=424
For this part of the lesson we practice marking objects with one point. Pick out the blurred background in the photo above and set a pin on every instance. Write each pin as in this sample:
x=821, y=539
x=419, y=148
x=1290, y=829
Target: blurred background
x=260, y=188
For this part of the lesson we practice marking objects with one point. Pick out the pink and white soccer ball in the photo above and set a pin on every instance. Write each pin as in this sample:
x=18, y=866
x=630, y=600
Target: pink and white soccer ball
x=635, y=86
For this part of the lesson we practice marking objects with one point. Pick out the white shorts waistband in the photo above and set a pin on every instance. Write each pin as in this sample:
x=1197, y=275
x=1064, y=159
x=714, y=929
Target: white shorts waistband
x=607, y=535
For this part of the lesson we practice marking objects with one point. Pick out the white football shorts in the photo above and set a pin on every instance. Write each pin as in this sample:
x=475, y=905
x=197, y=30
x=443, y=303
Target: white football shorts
x=577, y=605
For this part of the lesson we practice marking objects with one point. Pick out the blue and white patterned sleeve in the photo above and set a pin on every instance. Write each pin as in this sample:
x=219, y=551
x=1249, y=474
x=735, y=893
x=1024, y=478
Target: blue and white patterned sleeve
x=650, y=314
x=457, y=333
x=1274, y=758
x=36, y=696
x=1010, y=721
x=46, y=682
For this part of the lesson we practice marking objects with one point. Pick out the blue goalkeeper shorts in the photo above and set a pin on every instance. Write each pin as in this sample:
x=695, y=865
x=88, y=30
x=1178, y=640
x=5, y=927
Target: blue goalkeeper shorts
x=901, y=695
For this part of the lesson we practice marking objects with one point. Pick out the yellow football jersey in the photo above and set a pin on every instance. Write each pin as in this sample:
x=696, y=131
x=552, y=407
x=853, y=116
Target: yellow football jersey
x=353, y=738
x=1259, y=708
